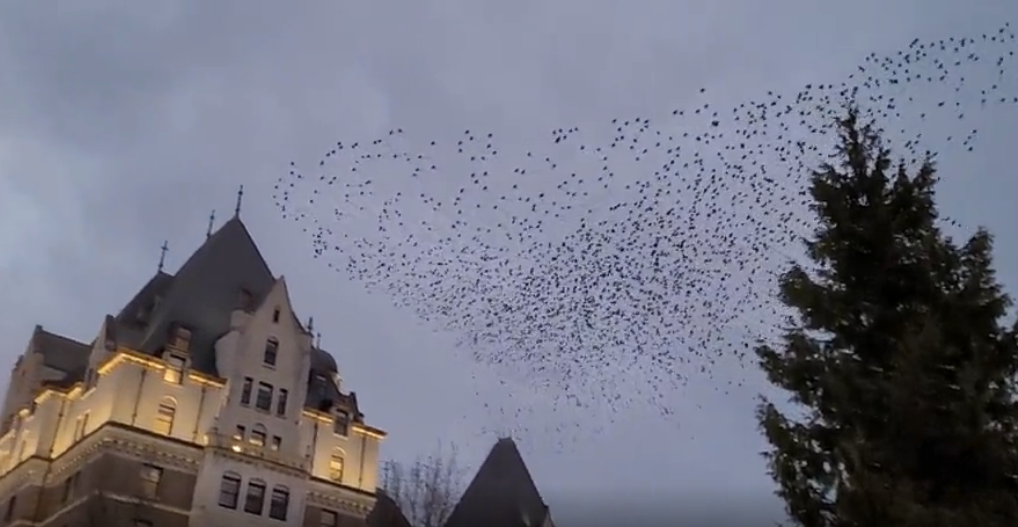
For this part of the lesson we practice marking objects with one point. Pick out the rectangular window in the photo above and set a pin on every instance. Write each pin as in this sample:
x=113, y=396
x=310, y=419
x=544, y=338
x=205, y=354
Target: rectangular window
x=341, y=425
x=240, y=433
x=277, y=442
x=9, y=512
x=257, y=436
x=275, y=316
x=271, y=352
x=279, y=503
x=165, y=414
x=229, y=491
x=281, y=402
x=328, y=519
x=151, y=475
x=245, y=391
x=68, y=490
x=264, y=399
x=80, y=427
x=174, y=373
x=255, y=499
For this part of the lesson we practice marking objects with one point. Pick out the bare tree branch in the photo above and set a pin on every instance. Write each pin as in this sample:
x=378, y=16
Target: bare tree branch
x=427, y=489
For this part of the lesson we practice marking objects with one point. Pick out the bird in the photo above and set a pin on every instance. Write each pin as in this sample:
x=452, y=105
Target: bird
x=611, y=266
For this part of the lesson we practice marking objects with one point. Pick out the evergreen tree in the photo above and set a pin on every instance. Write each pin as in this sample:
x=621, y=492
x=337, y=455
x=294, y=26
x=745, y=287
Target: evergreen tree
x=897, y=357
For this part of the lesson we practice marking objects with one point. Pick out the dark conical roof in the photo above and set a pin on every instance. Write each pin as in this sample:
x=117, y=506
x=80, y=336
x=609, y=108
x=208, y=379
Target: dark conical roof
x=502, y=493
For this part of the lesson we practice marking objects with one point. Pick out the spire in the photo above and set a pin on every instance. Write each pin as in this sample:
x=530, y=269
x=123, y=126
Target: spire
x=240, y=199
x=162, y=255
x=212, y=221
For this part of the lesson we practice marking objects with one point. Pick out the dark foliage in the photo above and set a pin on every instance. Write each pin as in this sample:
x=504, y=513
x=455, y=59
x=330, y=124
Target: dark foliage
x=897, y=356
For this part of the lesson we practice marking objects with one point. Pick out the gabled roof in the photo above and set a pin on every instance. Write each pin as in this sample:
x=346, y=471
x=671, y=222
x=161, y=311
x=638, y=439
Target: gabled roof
x=502, y=493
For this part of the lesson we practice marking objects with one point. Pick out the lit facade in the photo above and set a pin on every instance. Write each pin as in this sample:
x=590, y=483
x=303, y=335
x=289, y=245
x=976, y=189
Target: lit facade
x=204, y=402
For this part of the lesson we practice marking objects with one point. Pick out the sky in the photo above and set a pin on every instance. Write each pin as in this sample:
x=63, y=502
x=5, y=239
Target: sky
x=124, y=123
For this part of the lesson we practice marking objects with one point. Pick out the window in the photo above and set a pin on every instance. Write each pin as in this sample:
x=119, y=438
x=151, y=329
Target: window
x=151, y=475
x=279, y=503
x=240, y=433
x=281, y=402
x=275, y=316
x=165, y=415
x=342, y=423
x=245, y=391
x=258, y=435
x=336, y=466
x=9, y=512
x=182, y=339
x=174, y=373
x=229, y=490
x=277, y=442
x=80, y=427
x=264, y=399
x=255, y=499
x=328, y=519
x=70, y=485
x=271, y=351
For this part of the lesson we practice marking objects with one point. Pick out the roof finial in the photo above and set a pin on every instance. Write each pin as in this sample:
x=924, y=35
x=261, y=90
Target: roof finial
x=318, y=340
x=162, y=256
x=311, y=325
x=240, y=199
x=212, y=220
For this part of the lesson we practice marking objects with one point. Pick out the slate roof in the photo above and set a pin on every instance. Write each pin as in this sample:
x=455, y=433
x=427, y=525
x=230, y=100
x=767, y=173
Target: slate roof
x=502, y=493
x=225, y=273
x=386, y=512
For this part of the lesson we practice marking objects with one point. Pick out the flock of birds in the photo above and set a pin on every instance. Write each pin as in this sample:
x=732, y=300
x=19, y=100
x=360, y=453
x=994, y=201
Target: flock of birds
x=614, y=265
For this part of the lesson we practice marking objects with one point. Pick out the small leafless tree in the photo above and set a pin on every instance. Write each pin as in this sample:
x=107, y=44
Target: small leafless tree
x=427, y=489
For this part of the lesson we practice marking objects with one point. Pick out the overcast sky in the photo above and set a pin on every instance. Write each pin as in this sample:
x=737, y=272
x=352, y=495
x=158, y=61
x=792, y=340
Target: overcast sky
x=124, y=123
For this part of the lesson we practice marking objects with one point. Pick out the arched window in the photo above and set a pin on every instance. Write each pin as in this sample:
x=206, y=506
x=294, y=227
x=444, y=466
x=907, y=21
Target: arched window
x=165, y=414
x=271, y=352
x=279, y=502
x=336, y=463
x=229, y=490
x=255, y=499
x=258, y=435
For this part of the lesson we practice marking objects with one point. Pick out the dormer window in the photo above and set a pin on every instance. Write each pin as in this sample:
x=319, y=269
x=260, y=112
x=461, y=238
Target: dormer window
x=275, y=316
x=181, y=339
x=341, y=425
x=271, y=352
x=174, y=373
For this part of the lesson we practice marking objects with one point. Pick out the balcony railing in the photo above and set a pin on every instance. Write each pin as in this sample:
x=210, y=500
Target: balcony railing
x=247, y=448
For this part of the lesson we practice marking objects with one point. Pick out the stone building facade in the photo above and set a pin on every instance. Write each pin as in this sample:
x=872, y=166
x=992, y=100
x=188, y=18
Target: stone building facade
x=204, y=402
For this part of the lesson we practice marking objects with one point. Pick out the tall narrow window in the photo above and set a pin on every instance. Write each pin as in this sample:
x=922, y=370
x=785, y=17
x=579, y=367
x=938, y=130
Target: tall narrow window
x=240, y=433
x=9, y=512
x=151, y=476
x=245, y=391
x=68, y=489
x=80, y=427
x=281, y=402
x=229, y=490
x=174, y=373
x=336, y=466
x=275, y=316
x=279, y=503
x=258, y=435
x=277, y=442
x=254, y=502
x=341, y=425
x=165, y=415
x=271, y=352
x=264, y=399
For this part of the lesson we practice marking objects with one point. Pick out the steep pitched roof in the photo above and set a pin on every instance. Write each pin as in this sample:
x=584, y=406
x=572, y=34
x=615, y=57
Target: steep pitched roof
x=502, y=493
x=386, y=512
x=201, y=296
